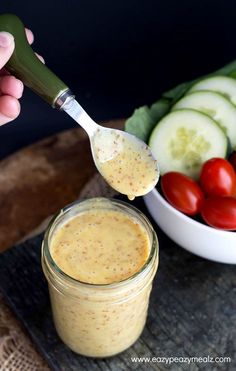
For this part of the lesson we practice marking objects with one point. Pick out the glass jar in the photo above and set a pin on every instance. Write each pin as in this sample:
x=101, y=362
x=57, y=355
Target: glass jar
x=99, y=320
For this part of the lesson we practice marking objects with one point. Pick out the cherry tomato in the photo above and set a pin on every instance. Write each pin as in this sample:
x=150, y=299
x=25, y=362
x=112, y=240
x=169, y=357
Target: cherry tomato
x=232, y=160
x=218, y=178
x=182, y=192
x=220, y=212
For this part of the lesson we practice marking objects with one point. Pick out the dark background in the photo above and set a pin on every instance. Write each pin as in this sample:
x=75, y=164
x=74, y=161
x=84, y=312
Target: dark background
x=117, y=55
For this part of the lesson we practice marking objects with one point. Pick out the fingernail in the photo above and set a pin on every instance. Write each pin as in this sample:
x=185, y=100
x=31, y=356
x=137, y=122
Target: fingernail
x=6, y=39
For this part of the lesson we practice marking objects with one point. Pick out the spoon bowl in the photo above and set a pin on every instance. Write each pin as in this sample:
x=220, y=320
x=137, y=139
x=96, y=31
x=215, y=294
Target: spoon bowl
x=124, y=161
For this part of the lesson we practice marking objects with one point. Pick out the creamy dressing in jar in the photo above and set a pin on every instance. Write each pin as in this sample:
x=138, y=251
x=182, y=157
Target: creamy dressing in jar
x=100, y=257
x=100, y=246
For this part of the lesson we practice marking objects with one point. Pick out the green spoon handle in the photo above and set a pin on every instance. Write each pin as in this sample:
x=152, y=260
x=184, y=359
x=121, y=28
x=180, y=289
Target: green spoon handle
x=25, y=65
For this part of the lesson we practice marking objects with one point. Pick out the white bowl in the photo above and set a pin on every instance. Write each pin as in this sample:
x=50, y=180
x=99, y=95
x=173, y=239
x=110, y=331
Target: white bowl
x=198, y=238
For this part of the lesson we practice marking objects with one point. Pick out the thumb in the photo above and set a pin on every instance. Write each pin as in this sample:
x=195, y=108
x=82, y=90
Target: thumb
x=7, y=46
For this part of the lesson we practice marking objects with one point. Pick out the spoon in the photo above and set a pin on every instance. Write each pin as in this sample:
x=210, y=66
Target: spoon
x=123, y=160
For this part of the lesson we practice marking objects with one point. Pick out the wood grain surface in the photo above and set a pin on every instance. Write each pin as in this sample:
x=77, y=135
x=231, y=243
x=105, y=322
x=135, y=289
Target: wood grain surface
x=40, y=179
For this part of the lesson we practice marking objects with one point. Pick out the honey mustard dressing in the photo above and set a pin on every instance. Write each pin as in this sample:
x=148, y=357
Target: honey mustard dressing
x=126, y=164
x=100, y=247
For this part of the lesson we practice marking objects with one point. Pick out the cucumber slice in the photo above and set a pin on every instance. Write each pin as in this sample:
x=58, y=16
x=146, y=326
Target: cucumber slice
x=184, y=139
x=216, y=106
x=221, y=84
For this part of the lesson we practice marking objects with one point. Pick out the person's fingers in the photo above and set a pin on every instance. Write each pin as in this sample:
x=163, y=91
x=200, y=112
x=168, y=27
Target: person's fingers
x=9, y=109
x=6, y=47
x=29, y=35
x=9, y=85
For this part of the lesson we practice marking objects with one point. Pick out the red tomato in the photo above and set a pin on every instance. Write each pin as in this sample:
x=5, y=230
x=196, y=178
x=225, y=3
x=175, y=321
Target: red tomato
x=220, y=212
x=232, y=160
x=218, y=178
x=182, y=192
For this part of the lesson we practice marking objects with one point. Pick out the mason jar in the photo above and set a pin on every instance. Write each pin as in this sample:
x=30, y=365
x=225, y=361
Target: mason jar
x=99, y=320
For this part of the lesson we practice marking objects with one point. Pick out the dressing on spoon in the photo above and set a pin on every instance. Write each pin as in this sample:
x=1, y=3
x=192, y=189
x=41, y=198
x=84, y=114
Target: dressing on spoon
x=125, y=162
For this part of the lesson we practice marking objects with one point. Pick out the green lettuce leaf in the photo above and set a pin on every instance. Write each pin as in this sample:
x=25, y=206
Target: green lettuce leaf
x=144, y=119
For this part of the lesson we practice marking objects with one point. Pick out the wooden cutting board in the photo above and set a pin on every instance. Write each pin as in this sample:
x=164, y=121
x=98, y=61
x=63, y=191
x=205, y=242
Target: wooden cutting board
x=40, y=179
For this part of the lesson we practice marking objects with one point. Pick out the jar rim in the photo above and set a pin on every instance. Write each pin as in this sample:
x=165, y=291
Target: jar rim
x=120, y=204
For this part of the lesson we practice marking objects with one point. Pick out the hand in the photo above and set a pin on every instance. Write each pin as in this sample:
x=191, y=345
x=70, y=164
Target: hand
x=11, y=88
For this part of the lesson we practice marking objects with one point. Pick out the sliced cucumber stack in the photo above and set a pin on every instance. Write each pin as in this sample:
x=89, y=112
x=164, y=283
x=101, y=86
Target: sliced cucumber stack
x=216, y=106
x=186, y=138
x=221, y=84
